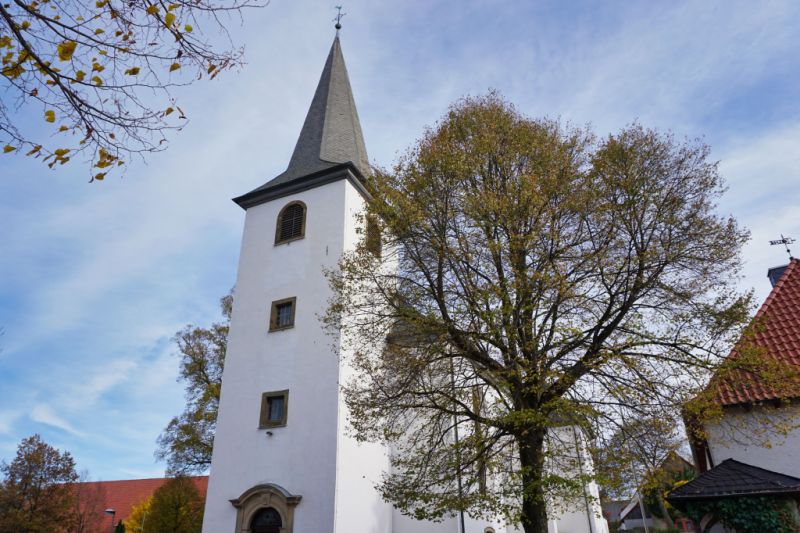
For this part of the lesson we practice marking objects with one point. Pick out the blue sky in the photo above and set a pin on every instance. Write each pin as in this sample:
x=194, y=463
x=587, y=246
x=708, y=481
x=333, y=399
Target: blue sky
x=96, y=278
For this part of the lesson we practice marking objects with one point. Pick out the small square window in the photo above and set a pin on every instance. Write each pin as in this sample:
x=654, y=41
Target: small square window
x=273, y=409
x=282, y=314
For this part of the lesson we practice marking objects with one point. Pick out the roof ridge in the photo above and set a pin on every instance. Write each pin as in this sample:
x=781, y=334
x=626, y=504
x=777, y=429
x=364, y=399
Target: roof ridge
x=790, y=268
x=738, y=465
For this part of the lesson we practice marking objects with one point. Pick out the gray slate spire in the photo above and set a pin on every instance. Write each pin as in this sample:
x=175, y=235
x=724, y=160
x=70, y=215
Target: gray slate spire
x=331, y=134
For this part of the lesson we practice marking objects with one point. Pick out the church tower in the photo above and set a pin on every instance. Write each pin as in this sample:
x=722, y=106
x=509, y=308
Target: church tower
x=282, y=461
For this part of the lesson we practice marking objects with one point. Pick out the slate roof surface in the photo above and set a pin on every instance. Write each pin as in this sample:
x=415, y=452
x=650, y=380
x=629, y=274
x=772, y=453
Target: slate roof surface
x=123, y=495
x=732, y=478
x=779, y=334
x=331, y=133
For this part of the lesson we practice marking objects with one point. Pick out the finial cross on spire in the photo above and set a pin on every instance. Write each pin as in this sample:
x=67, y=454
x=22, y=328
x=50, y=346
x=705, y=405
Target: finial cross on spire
x=338, y=19
x=786, y=241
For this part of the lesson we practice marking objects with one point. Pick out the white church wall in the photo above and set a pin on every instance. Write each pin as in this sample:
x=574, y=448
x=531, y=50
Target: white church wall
x=570, y=458
x=298, y=359
x=359, y=466
x=742, y=434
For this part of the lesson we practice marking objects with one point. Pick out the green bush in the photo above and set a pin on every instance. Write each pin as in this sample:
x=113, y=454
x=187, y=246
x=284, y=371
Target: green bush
x=748, y=514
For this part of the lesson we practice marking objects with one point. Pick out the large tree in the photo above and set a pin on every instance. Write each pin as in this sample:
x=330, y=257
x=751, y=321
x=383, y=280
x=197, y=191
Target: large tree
x=100, y=73
x=533, y=276
x=36, y=494
x=89, y=501
x=176, y=507
x=187, y=441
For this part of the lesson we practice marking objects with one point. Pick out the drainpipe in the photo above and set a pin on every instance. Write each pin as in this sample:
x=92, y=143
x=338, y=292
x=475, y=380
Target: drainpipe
x=641, y=501
x=462, y=528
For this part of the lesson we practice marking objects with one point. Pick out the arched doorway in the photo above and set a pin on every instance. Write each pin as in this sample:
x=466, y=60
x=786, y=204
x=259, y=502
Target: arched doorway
x=265, y=508
x=266, y=520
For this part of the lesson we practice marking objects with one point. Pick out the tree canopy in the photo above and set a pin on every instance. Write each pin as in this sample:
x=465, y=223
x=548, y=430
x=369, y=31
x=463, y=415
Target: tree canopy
x=533, y=275
x=176, y=507
x=186, y=443
x=36, y=494
x=100, y=73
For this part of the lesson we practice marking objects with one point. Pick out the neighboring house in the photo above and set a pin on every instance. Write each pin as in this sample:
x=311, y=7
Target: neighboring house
x=283, y=457
x=121, y=496
x=754, y=449
x=672, y=468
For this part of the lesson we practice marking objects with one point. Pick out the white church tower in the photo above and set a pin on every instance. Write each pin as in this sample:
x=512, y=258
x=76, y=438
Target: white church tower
x=282, y=461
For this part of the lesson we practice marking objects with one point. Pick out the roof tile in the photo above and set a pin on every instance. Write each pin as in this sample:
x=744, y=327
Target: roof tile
x=779, y=336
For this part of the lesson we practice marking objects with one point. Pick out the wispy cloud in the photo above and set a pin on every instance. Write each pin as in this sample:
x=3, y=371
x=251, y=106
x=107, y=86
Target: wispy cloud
x=44, y=415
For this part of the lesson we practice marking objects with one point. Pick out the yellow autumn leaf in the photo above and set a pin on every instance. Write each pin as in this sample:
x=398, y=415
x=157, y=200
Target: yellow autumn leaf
x=173, y=6
x=50, y=115
x=174, y=66
x=80, y=75
x=101, y=3
x=35, y=149
x=102, y=52
x=61, y=152
x=97, y=81
x=169, y=18
x=168, y=111
x=100, y=175
x=97, y=67
x=14, y=71
x=98, y=31
x=188, y=28
x=66, y=49
x=133, y=71
x=63, y=128
x=152, y=9
x=25, y=24
x=8, y=148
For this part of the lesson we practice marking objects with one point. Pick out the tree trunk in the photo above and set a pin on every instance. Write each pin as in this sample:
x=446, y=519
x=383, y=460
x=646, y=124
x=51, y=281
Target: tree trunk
x=534, y=505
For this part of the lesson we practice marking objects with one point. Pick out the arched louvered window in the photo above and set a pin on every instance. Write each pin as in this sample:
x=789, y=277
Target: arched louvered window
x=266, y=520
x=291, y=223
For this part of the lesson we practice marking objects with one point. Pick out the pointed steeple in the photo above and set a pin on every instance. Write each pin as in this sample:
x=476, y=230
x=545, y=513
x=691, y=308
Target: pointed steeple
x=331, y=136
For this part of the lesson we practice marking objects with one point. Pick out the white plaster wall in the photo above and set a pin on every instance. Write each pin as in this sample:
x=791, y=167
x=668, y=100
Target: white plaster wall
x=313, y=456
x=742, y=433
x=300, y=457
x=359, y=466
x=570, y=458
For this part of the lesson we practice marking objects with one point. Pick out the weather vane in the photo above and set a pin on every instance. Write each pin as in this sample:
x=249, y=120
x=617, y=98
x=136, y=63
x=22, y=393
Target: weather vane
x=338, y=19
x=786, y=241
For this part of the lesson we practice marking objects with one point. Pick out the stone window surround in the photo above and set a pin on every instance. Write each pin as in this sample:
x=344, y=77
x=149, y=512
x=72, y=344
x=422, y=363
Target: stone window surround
x=263, y=420
x=261, y=496
x=273, y=314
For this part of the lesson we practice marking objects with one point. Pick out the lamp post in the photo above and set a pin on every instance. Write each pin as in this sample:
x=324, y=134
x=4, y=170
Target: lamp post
x=111, y=512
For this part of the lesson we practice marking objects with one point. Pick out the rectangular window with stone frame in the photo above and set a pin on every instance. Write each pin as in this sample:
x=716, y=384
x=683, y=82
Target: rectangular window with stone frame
x=274, y=409
x=281, y=314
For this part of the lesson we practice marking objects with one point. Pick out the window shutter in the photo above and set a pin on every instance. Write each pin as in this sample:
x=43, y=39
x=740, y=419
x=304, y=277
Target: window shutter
x=290, y=225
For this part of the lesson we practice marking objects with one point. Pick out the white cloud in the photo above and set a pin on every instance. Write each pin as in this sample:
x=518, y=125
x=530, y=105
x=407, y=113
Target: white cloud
x=44, y=415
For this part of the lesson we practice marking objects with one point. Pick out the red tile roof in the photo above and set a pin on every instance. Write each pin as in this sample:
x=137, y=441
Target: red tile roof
x=779, y=334
x=123, y=495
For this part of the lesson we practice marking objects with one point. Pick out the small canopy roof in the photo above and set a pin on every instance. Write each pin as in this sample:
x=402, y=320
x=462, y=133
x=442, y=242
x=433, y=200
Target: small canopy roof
x=731, y=478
